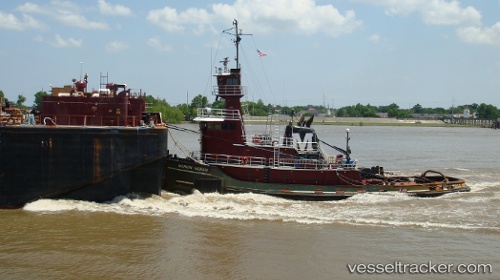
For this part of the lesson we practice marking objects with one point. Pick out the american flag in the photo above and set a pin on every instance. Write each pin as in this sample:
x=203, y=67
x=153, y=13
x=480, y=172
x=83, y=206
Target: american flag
x=261, y=53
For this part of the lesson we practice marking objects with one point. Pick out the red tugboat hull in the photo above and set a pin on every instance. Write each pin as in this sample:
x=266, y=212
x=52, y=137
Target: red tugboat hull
x=185, y=176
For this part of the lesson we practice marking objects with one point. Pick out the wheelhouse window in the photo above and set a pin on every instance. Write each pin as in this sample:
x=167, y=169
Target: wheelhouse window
x=232, y=82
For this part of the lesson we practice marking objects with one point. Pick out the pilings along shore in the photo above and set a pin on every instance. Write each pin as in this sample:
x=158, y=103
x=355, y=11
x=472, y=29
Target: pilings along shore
x=490, y=123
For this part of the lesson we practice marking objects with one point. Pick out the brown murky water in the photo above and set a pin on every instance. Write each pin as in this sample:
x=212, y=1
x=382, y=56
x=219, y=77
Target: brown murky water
x=249, y=236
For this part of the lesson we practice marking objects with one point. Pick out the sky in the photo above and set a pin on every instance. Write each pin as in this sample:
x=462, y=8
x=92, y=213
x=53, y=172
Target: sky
x=336, y=53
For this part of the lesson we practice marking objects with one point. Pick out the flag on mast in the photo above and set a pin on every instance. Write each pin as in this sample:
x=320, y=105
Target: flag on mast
x=261, y=53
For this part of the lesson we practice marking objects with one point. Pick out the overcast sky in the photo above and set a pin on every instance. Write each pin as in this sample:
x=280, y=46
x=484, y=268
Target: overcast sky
x=336, y=53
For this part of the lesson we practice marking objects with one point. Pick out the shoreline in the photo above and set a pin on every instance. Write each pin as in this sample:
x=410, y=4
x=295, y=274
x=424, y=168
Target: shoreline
x=356, y=121
x=283, y=120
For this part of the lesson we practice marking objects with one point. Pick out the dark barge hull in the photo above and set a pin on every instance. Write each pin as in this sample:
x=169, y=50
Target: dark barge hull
x=79, y=162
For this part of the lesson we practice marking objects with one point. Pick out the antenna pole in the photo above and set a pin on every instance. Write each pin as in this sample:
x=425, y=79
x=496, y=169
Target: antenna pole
x=237, y=43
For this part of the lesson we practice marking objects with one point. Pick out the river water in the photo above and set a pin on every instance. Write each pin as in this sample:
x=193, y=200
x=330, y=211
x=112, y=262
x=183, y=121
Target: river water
x=249, y=236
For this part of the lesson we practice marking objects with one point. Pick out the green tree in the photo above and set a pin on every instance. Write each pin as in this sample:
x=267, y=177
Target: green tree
x=172, y=114
x=440, y=111
x=185, y=110
x=20, y=101
x=359, y=110
x=169, y=113
x=386, y=109
x=261, y=109
x=198, y=101
x=218, y=104
x=37, y=104
x=255, y=109
x=399, y=113
x=341, y=112
x=417, y=109
x=488, y=111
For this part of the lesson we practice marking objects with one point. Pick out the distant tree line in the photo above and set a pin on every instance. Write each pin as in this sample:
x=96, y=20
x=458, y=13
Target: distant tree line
x=183, y=112
x=483, y=110
x=258, y=108
x=19, y=102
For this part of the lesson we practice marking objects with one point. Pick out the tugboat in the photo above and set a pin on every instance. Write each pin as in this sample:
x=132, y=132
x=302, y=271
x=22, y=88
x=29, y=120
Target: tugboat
x=82, y=145
x=293, y=165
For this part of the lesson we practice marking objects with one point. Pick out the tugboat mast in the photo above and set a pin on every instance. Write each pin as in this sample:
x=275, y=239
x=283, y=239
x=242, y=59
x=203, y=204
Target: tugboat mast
x=236, y=41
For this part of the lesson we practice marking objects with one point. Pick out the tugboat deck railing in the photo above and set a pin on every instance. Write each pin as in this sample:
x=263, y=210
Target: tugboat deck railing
x=84, y=120
x=302, y=147
x=218, y=114
x=290, y=163
x=227, y=90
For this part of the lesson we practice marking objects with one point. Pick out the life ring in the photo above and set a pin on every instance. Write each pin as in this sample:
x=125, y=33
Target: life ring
x=244, y=160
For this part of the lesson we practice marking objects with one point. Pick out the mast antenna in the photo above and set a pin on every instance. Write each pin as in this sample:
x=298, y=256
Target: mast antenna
x=236, y=40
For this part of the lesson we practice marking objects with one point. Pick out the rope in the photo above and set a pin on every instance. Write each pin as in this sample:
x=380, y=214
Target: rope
x=264, y=71
x=348, y=180
x=183, y=149
x=186, y=130
x=212, y=65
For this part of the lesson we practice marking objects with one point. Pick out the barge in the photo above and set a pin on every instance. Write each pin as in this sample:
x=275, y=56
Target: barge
x=83, y=145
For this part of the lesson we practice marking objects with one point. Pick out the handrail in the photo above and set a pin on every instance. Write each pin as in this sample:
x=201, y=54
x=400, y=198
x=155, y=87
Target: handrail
x=229, y=90
x=302, y=147
x=115, y=120
x=281, y=163
x=232, y=115
x=231, y=159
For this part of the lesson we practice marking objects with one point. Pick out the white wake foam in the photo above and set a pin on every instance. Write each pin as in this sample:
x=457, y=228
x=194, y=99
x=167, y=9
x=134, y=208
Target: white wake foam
x=468, y=211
